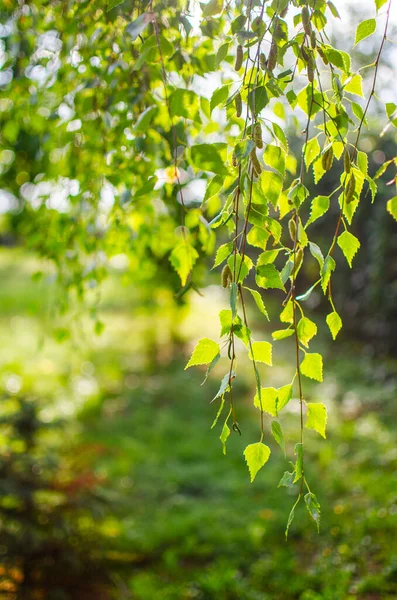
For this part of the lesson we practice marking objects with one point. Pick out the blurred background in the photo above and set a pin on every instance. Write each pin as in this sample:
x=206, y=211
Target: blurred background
x=113, y=485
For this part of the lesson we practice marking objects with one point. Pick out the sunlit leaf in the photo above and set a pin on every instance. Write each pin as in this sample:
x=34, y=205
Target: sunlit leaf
x=204, y=352
x=349, y=245
x=334, y=323
x=256, y=456
x=261, y=352
x=316, y=417
x=312, y=366
x=365, y=29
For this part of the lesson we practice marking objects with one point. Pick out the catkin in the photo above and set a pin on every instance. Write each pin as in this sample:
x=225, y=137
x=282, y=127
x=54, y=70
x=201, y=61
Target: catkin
x=313, y=41
x=272, y=58
x=255, y=162
x=327, y=159
x=306, y=21
x=310, y=70
x=276, y=28
x=298, y=261
x=350, y=189
x=234, y=159
x=346, y=161
x=322, y=54
x=226, y=276
x=262, y=61
x=310, y=64
x=239, y=58
x=238, y=104
x=292, y=228
x=258, y=135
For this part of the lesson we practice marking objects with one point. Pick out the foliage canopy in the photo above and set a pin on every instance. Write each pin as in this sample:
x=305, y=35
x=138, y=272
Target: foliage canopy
x=164, y=132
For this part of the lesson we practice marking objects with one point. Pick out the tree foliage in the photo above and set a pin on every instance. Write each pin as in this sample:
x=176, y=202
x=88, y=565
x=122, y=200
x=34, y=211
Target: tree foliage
x=112, y=143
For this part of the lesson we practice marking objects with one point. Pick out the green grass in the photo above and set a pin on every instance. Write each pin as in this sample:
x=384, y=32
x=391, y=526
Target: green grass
x=180, y=519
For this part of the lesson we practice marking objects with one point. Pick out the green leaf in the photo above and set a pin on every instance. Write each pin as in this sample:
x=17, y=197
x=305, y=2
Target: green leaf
x=333, y=9
x=144, y=121
x=243, y=266
x=316, y=417
x=185, y=103
x=210, y=367
x=364, y=30
x=373, y=187
x=310, y=101
x=224, y=385
x=334, y=323
x=258, y=98
x=218, y=414
x=258, y=237
x=281, y=334
x=349, y=245
x=391, y=111
x=326, y=272
x=210, y=157
x=211, y=8
x=267, y=257
x=275, y=157
x=315, y=251
x=271, y=185
x=267, y=277
x=273, y=400
x=313, y=508
x=299, y=462
x=277, y=433
x=306, y=295
x=268, y=400
x=306, y=330
x=256, y=456
x=318, y=169
x=338, y=58
x=214, y=187
x=354, y=85
x=380, y=3
x=258, y=301
x=362, y=162
x=290, y=519
x=287, y=314
x=243, y=333
x=238, y=23
x=183, y=257
x=242, y=149
x=223, y=253
x=312, y=366
x=219, y=96
x=224, y=435
x=287, y=479
x=298, y=193
x=204, y=352
x=221, y=54
x=136, y=27
x=261, y=352
x=114, y=3
x=312, y=150
x=280, y=135
x=358, y=111
x=284, y=395
x=392, y=207
x=225, y=317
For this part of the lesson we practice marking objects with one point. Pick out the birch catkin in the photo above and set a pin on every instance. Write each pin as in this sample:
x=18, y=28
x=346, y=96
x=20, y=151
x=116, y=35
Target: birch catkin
x=258, y=135
x=238, y=104
x=239, y=58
